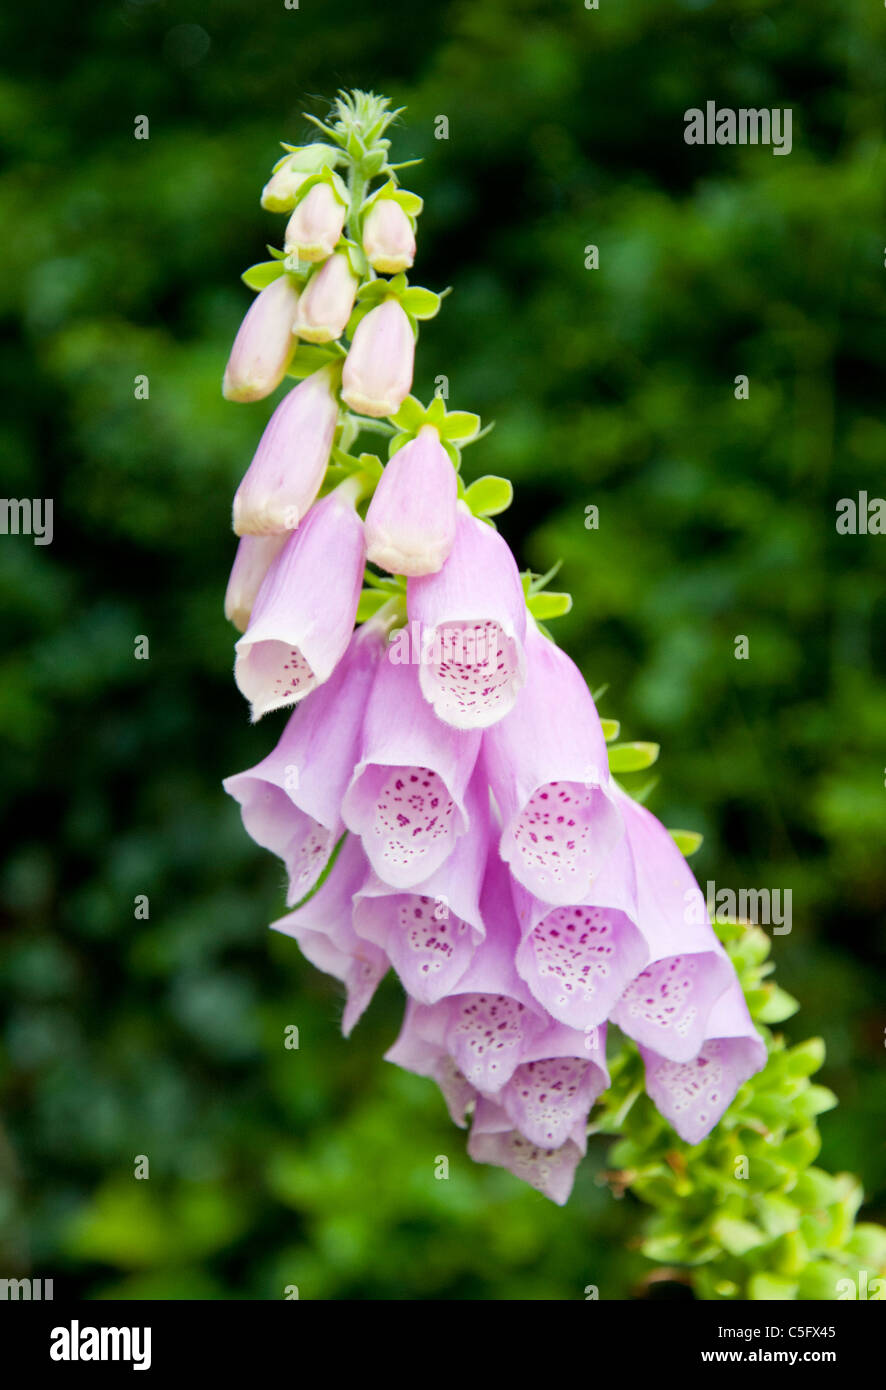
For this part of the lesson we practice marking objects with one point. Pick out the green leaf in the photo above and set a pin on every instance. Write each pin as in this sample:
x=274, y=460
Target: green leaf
x=309, y=358
x=371, y=600
x=411, y=415
x=632, y=757
x=460, y=425
x=548, y=605
x=262, y=274
x=736, y=1237
x=778, y=1006
x=771, y=1288
x=611, y=728
x=489, y=496
x=805, y=1058
x=419, y=302
x=687, y=841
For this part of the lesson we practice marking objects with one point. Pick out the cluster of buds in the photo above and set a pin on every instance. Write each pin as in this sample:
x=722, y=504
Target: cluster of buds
x=441, y=797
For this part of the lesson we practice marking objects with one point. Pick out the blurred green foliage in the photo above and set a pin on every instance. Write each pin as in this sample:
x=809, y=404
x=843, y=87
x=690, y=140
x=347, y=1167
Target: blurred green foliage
x=612, y=388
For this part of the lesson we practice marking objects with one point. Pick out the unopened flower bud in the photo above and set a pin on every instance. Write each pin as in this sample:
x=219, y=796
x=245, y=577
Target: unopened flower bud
x=327, y=301
x=251, y=564
x=279, y=193
x=316, y=225
x=388, y=238
x=378, y=370
x=410, y=525
x=290, y=462
x=264, y=343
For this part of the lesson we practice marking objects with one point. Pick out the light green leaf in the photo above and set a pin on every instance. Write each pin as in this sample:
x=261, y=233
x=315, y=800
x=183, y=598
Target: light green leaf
x=632, y=757
x=736, y=1237
x=611, y=729
x=371, y=600
x=687, y=841
x=771, y=1288
x=548, y=604
x=460, y=425
x=410, y=416
x=489, y=496
x=420, y=303
x=779, y=1005
x=262, y=274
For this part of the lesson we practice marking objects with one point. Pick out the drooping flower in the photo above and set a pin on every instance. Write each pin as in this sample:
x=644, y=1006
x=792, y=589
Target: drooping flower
x=693, y=1095
x=667, y=1006
x=326, y=302
x=551, y=1171
x=264, y=343
x=407, y=799
x=431, y=932
x=289, y=464
x=577, y=960
x=304, y=613
x=251, y=564
x=291, y=800
x=472, y=623
x=316, y=225
x=322, y=927
x=377, y=373
x=548, y=769
x=411, y=521
x=388, y=238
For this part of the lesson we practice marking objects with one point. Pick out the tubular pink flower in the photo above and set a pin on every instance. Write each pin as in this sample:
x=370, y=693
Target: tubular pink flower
x=305, y=609
x=378, y=369
x=291, y=801
x=388, y=238
x=551, y=1171
x=472, y=621
x=290, y=462
x=251, y=564
x=315, y=226
x=549, y=773
x=578, y=960
x=666, y=1007
x=326, y=302
x=407, y=799
x=410, y=524
x=693, y=1095
x=323, y=930
x=430, y=934
x=264, y=343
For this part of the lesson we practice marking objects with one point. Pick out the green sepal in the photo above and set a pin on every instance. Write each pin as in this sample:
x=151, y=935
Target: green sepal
x=311, y=357
x=489, y=496
x=688, y=842
x=611, y=729
x=632, y=757
x=262, y=274
x=547, y=605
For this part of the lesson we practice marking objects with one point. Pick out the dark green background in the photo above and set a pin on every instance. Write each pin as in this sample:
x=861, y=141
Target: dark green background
x=611, y=387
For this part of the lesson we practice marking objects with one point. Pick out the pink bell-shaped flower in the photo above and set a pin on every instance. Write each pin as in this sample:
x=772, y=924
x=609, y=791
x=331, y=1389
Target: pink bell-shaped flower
x=377, y=373
x=410, y=524
x=264, y=343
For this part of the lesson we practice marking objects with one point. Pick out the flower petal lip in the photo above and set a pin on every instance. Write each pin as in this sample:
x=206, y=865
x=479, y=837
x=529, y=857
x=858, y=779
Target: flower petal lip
x=472, y=617
x=304, y=613
x=322, y=927
x=289, y=465
x=666, y=1007
x=291, y=801
x=264, y=343
x=407, y=798
x=550, y=779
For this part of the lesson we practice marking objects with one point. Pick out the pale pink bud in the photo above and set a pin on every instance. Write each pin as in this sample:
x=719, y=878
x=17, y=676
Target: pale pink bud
x=388, y=238
x=327, y=301
x=264, y=343
x=410, y=525
x=290, y=462
x=316, y=225
x=279, y=193
x=251, y=564
x=378, y=370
